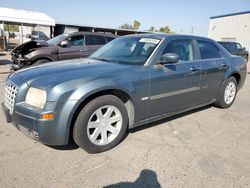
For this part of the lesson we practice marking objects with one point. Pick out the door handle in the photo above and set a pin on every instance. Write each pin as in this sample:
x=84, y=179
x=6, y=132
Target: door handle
x=194, y=69
x=223, y=66
x=83, y=50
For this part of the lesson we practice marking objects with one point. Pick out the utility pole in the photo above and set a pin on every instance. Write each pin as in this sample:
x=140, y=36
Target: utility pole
x=192, y=30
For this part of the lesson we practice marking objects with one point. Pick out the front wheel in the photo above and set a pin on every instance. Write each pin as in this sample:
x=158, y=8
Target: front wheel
x=227, y=94
x=101, y=124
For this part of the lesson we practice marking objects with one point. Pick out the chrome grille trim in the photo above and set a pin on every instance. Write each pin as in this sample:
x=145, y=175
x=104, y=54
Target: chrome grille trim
x=10, y=96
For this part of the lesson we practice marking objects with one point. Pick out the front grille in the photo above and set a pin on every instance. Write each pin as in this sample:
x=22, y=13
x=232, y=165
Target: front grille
x=10, y=96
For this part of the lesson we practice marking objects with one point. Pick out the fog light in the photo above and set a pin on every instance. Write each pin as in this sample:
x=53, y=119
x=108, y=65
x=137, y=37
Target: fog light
x=49, y=116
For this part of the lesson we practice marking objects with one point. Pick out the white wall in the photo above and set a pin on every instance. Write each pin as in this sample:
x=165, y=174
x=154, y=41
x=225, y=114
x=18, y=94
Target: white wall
x=231, y=28
x=69, y=29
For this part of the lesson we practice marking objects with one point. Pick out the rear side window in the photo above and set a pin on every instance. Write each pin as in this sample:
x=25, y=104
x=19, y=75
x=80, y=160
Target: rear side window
x=238, y=46
x=208, y=50
x=95, y=40
x=183, y=48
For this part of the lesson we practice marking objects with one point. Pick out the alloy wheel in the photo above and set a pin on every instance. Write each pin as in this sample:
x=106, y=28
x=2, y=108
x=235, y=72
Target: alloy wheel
x=230, y=92
x=104, y=125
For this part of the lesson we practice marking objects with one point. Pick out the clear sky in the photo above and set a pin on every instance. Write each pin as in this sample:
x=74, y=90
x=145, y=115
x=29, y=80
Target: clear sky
x=179, y=15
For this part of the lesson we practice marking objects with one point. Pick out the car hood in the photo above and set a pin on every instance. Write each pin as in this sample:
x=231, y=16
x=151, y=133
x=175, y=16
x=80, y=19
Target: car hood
x=26, y=47
x=50, y=74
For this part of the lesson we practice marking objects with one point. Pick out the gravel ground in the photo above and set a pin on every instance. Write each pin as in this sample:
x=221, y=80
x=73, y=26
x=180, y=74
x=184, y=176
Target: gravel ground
x=208, y=147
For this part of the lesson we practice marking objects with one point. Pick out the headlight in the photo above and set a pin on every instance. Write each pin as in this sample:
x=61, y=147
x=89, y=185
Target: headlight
x=36, y=97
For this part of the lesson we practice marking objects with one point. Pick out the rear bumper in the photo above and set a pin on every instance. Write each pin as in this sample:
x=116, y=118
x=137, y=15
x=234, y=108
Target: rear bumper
x=29, y=122
x=243, y=75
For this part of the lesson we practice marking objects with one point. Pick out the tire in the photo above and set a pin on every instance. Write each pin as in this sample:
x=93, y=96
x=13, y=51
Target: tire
x=246, y=58
x=92, y=131
x=223, y=101
x=40, y=61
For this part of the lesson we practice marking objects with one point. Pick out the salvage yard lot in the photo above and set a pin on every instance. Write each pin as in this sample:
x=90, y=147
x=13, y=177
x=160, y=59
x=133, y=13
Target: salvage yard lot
x=208, y=147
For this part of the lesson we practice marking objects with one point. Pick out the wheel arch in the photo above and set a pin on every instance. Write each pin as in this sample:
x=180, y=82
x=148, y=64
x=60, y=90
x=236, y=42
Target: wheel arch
x=237, y=76
x=121, y=94
x=42, y=57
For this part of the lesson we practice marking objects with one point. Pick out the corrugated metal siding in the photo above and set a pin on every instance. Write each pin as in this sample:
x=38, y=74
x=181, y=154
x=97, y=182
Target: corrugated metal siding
x=233, y=28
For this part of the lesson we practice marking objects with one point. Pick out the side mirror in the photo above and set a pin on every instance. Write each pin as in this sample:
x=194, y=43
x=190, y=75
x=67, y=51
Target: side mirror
x=64, y=43
x=244, y=48
x=169, y=58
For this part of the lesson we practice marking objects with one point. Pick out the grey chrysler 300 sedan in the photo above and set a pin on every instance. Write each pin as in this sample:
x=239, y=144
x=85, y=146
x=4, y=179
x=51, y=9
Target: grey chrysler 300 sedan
x=131, y=81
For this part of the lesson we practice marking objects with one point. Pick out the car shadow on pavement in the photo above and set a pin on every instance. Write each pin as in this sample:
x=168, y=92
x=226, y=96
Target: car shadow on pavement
x=165, y=120
x=70, y=146
x=73, y=146
x=147, y=178
x=4, y=62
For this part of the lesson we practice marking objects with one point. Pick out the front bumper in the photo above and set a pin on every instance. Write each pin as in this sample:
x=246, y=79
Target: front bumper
x=19, y=62
x=29, y=122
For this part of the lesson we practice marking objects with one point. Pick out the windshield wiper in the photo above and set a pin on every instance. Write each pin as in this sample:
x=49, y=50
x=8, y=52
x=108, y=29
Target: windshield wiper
x=100, y=59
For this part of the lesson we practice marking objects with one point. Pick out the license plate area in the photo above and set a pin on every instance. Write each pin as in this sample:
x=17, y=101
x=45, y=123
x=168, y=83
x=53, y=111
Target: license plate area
x=27, y=132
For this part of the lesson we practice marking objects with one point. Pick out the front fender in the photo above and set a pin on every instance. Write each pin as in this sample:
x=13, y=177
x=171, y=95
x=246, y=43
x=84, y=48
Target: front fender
x=96, y=86
x=74, y=98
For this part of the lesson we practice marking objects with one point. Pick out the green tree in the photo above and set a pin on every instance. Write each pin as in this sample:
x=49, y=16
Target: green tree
x=136, y=24
x=165, y=29
x=126, y=26
x=152, y=28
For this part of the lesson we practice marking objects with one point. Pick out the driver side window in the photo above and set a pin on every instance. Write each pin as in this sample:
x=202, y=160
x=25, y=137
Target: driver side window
x=76, y=41
x=183, y=48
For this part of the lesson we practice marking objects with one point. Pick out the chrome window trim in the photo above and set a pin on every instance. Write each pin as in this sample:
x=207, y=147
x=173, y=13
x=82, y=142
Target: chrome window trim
x=150, y=57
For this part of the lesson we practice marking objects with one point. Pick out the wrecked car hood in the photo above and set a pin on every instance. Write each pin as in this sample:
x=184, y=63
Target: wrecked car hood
x=26, y=47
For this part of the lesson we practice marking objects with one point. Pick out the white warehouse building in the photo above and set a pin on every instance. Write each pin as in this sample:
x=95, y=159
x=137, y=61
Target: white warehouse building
x=231, y=27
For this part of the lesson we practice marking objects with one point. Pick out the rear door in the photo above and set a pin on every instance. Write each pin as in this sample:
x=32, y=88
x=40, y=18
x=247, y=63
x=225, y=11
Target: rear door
x=94, y=42
x=213, y=66
x=175, y=86
x=75, y=49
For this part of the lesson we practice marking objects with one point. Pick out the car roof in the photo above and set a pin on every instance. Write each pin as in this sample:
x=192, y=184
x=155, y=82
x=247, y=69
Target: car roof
x=163, y=35
x=93, y=33
x=227, y=42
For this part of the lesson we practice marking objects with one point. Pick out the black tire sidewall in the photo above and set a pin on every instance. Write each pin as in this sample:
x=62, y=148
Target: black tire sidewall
x=80, y=128
x=221, y=102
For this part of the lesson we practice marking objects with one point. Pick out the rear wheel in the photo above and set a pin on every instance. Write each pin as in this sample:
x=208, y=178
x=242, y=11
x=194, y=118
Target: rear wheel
x=101, y=124
x=228, y=93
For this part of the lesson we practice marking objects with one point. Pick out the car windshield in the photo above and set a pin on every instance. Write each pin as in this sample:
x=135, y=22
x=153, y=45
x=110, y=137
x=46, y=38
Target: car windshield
x=128, y=50
x=57, y=40
x=230, y=46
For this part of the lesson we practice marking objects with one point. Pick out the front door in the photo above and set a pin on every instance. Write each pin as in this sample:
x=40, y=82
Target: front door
x=174, y=87
x=75, y=49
